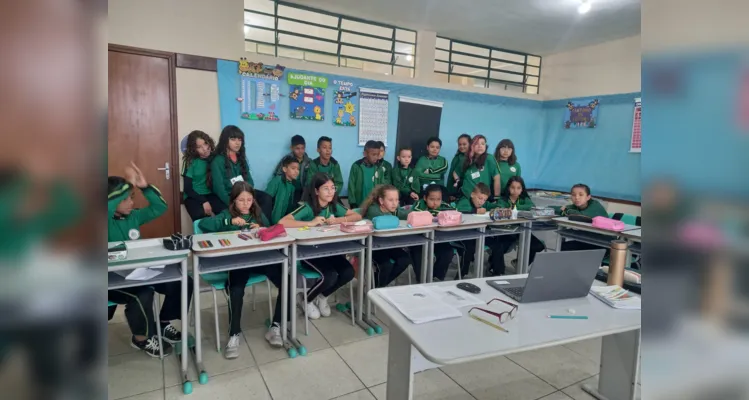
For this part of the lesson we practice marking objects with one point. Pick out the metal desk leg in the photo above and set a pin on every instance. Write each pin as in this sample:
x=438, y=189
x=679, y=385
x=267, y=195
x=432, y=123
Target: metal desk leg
x=521, y=253
x=202, y=374
x=427, y=253
x=292, y=298
x=620, y=354
x=560, y=240
x=399, y=376
x=185, y=327
x=527, y=247
x=363, y=318
x=478, y=259
x=290, y=349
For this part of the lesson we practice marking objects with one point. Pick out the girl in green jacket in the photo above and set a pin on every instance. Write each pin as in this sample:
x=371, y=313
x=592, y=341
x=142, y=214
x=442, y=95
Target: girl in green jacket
x=507, y=162
x=456, y=165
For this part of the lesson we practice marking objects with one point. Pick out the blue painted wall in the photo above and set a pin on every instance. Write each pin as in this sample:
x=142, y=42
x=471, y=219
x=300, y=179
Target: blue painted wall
x=550, y=158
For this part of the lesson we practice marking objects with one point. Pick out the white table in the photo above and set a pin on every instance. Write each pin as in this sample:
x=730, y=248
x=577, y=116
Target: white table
x=150, y=253
x=530, y=330
x=239, y=254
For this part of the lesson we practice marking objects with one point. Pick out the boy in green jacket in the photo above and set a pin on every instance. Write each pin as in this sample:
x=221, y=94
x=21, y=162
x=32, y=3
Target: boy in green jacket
x=299, y=153
x=124, y=224
x=443, y=252
x=431, y=168
x=383, y=163
x=326, y=164
x=281, y=189
x=582, y=204
x=403, y=178
x=365, y=175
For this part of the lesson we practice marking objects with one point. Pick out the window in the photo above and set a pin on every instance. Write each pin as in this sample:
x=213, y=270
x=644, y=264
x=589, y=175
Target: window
x=292, y=31
x=468, y=64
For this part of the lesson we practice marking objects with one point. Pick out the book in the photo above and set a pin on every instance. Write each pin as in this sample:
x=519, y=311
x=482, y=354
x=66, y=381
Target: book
x=617, y=297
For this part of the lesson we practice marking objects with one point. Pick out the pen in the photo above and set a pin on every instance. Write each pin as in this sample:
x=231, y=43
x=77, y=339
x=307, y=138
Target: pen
x=567, y=316
x=489, y=323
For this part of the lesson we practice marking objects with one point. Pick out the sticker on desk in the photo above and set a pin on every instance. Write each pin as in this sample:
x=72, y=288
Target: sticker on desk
x=502, y=282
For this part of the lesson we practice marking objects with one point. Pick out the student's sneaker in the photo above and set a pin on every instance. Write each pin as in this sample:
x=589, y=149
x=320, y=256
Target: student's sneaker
x=170, y=334
x=232, y=348
x=151, y=346
x=273, y=336
x=321, y=302
x=309, y=308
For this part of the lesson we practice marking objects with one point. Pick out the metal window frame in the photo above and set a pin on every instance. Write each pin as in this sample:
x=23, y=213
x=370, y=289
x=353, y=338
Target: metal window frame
x=488, y=80
x=393, y=53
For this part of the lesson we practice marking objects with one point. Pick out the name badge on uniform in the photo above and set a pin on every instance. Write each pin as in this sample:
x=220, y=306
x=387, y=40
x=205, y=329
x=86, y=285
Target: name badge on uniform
x=236, y=179
x=410, y=179
x=133, y=234
x=475, y=175
x=376, y=174
x=513, y=169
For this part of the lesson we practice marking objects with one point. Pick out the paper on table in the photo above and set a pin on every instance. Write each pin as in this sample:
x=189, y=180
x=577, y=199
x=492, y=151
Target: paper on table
x=142, y=274
x=418, y=304
x=455, y=297
x=143, y=243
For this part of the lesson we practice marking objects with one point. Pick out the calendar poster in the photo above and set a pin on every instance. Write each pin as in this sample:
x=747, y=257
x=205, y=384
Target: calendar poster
x=345, y=109
x=260, y=90
x=307, y=96
x=581, y=114
x=373, y=115
x=636, y=142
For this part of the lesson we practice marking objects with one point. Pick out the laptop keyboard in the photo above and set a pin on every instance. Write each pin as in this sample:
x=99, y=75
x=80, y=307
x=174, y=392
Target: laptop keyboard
x=516, y=292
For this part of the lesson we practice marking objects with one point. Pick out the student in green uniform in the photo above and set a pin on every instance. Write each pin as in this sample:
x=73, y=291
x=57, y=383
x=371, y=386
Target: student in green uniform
x=388, y=168
x=365, y=175
x=298, y=152
x=515, y=197
x=281, y=189
x=124, y=224
x=326, y=164
x=582, y=204
x=321, y=207
x=403, y=178
x=198, y=198
x=456, y=165
x=244, y=212
x=480, y=166
x=507, y=162
x=431, y=169
x=389, y=263
x=443, y=252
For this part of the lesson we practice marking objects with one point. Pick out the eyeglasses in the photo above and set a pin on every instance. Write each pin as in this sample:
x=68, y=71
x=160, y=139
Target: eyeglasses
x=503, y=316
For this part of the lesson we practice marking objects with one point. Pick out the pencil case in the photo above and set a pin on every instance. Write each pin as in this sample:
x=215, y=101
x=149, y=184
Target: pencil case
x=608, y=224
x=498, y=214
x=178, y=242
x=385, y=222
x=449, y=218
x=419, y=218
x=357, y=227
x=266, y=234
x=580, y=218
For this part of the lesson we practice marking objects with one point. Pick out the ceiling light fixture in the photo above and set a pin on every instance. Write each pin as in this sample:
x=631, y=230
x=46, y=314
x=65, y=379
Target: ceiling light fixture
x=584, y=7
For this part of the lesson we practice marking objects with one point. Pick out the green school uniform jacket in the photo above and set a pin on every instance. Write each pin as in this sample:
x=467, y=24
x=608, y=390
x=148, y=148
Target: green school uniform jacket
x=593, y=209
x=388, y=172
x=403, y=180
x=221, y=181
x=522, y=204
x=430, y=170
x=506, y=171
x=305, y=212
x=473, y=176
x=362, y=179
x=456, y=165
x=127, y=227
x=465, y=205
x=375, y=211
x=333, y=169
x=304, y=165
x=197, y=171
x=282, y=191
x=222, y=222
x=421, y=205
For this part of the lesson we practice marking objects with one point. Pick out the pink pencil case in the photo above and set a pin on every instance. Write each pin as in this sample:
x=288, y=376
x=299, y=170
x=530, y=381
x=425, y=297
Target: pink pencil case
x=608, y=224
x=449, y=218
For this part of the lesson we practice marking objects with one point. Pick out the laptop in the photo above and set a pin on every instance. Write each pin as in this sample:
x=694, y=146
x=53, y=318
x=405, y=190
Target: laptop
x=554, y=276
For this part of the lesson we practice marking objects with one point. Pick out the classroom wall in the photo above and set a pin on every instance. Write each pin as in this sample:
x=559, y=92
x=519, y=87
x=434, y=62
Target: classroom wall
x=607, y=68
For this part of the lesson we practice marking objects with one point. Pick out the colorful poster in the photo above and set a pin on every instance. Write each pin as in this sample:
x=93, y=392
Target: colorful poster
x=307, y=96
x=582, y=114
x=374, y=116
x=260, y=90
x=636, y=142
x=345, y=110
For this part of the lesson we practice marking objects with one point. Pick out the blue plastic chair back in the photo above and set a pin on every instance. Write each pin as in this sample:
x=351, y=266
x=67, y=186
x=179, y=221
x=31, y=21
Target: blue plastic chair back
x=195, y=228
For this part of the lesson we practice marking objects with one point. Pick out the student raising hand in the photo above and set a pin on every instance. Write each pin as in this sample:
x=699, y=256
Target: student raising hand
x=135, y=176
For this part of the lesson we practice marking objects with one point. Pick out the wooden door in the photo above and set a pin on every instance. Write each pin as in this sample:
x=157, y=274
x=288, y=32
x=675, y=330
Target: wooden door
x=143, y=127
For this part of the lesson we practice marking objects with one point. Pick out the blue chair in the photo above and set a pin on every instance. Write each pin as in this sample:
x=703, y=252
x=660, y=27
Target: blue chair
x=217, y=281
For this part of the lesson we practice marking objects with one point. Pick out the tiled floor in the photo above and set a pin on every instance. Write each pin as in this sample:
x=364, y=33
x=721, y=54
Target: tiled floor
x=342, y=363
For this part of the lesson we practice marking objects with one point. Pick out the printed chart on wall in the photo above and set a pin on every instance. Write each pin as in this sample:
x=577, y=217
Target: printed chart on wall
x=345, y=110
x=259, y=91
x=581, y=114
x=373, y=123
x=307, y=96
x=636, y=142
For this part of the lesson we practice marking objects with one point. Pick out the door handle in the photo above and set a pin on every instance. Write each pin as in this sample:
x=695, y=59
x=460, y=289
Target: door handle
x=166, y=170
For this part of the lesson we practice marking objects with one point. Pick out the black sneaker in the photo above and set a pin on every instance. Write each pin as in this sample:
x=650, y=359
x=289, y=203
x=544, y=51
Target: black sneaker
x=170, y=334
x=151, y=346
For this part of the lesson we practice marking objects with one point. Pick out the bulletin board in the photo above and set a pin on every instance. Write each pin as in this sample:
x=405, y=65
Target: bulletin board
x=374, y=116
x=345, y=104
x=581, y=114
x=635, y=144
x=307, y=96
x=260, y=91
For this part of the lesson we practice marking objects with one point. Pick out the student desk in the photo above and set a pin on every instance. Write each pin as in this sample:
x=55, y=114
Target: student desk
x=446, y=342
x=311, y=243
x=586, y=233
x=402, y=236
x=634, y=239
x=239, y=254
x=150, y=253
x=524, y=244
x=471, y=228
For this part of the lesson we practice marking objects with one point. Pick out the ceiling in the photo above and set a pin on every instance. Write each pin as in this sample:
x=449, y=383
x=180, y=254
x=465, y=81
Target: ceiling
x=538, y=27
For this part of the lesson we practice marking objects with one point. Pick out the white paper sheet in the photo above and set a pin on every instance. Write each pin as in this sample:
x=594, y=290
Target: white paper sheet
x=455, y=297
x=419, y=304
x=142, y=274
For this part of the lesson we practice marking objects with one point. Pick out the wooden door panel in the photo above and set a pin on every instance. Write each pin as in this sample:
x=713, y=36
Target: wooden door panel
x=141, y=128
